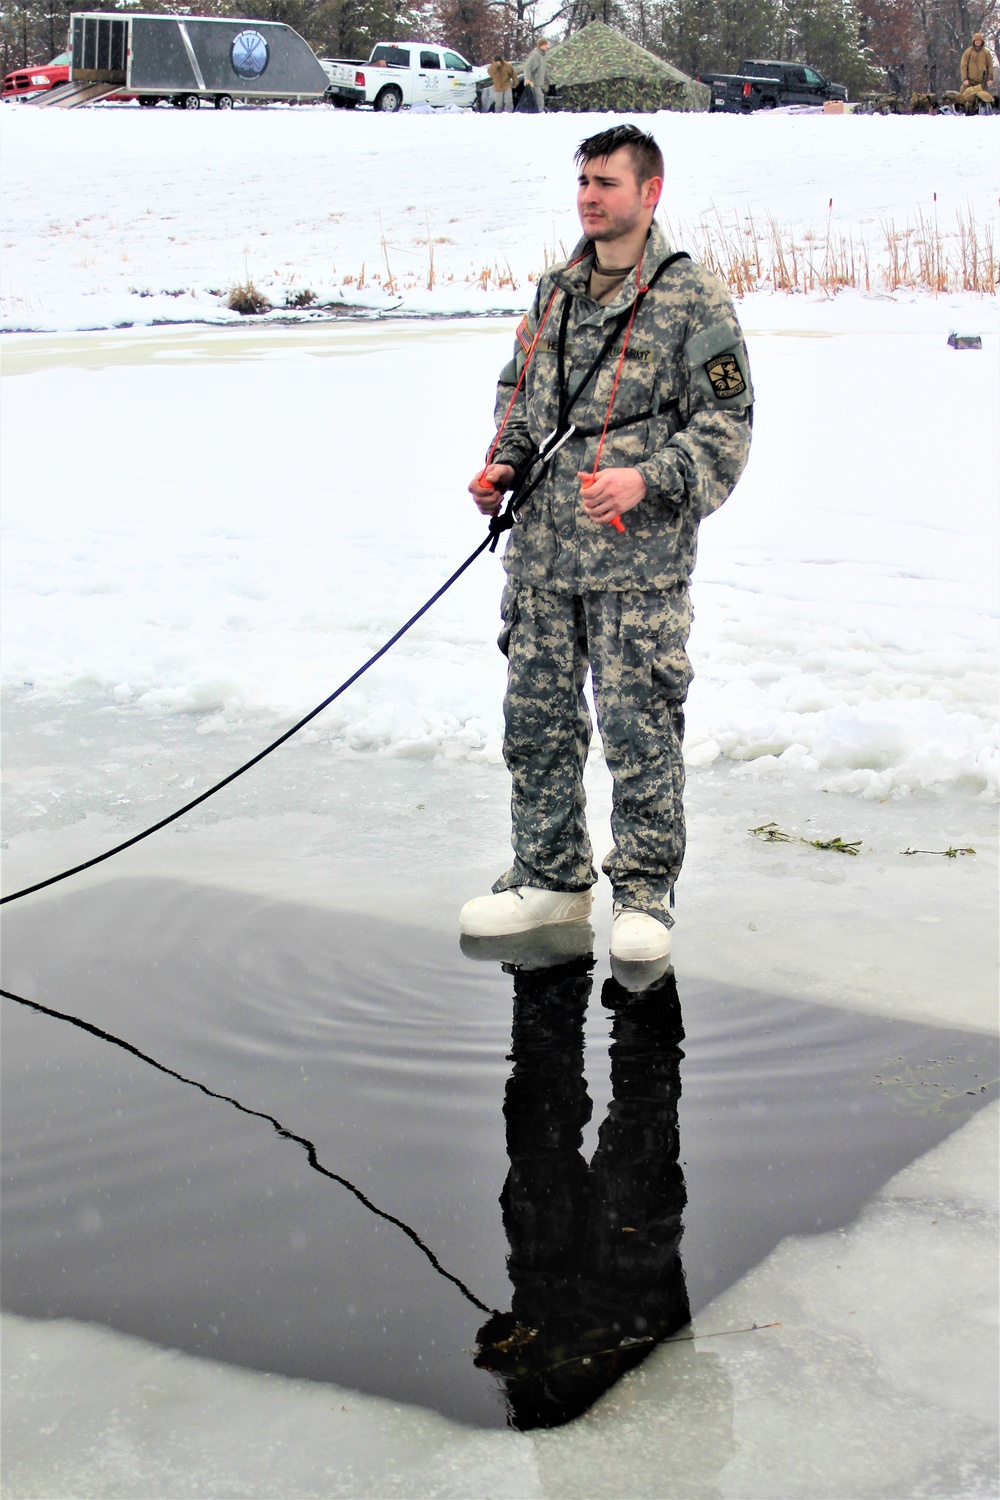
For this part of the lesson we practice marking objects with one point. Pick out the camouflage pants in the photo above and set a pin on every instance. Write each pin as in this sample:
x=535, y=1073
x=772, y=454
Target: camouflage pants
x=633, y=645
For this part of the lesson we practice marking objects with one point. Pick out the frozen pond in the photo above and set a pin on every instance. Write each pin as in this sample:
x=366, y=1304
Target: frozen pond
x=819, y=1155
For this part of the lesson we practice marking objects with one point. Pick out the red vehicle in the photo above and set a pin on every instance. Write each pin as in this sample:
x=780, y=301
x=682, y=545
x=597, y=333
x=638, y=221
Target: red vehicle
x=24, y=83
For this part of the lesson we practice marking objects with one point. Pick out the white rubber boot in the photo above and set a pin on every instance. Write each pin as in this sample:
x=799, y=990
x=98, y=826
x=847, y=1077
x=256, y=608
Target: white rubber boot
x=638, y=938
x=521, y=910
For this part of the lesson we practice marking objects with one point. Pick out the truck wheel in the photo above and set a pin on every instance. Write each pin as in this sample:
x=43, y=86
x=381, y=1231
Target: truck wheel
x=223, y=101
x=148, y=101
x=389, y=100
x=190, y=101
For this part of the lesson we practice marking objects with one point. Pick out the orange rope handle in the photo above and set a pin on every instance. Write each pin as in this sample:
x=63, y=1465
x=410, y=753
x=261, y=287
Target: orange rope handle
x=524, y=370
x=520, y=381
x=616, y=521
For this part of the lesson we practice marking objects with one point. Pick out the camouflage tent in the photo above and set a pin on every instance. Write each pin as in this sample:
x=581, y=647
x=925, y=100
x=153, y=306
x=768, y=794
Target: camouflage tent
x=598, y=68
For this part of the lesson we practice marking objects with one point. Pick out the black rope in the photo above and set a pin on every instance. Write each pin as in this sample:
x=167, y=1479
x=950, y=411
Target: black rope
x=488, y=540
x=281, y=1130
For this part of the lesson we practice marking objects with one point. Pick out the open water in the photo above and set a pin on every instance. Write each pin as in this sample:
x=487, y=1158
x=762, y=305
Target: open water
x=333, y=1147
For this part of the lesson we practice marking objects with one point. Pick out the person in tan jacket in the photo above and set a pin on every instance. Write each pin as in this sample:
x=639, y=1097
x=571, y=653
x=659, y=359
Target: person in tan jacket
x=977, y=73
x=504, y=80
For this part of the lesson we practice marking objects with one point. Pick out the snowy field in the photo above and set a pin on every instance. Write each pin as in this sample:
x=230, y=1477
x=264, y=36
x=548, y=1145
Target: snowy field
x=120, y=215
x=206, y=528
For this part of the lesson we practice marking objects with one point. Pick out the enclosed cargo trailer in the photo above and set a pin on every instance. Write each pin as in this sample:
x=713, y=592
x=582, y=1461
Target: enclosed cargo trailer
x=189, y=60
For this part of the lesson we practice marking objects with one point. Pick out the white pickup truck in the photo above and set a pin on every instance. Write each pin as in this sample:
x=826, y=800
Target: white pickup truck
x=401, y=73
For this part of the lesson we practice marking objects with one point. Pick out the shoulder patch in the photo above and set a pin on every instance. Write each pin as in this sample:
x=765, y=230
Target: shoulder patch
x=523, y=336
x=725, y=377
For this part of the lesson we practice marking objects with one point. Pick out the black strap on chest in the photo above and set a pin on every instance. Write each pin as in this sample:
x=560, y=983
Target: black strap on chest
x=538, y=468
x=567, y=402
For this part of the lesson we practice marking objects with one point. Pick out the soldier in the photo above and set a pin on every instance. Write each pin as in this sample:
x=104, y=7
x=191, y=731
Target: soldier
x=977, y=75
x=629, y=395
x=504, y=80
x=536, y=73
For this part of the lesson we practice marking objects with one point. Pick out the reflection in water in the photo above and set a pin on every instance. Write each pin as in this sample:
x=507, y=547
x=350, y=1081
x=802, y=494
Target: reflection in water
x=594, y=1250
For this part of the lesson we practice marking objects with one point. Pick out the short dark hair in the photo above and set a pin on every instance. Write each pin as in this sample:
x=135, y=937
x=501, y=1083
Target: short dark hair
x=647, y=158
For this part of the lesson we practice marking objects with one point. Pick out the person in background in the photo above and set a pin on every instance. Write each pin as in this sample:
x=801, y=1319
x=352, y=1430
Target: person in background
x=536, y=73
x=504, y=79
x=977, y=75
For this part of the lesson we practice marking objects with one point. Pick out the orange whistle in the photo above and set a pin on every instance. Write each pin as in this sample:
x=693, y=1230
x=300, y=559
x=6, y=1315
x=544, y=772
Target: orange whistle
x=616, y=521
x=485, y=483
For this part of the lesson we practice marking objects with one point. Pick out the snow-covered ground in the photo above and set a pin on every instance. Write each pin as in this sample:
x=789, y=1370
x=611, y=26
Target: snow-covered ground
x=206, y=529
x=120, y=215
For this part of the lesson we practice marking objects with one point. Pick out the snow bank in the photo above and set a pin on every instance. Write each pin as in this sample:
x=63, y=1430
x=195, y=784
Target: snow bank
x=120, y=215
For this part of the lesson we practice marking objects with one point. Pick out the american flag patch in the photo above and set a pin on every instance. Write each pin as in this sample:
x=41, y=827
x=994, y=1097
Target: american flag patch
x=522, y=335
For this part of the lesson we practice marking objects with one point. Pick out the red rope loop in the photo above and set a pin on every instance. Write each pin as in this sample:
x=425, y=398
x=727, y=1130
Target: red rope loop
x=640, y=292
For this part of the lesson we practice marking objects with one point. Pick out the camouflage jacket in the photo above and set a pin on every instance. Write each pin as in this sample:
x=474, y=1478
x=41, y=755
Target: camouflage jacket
x=685, y=380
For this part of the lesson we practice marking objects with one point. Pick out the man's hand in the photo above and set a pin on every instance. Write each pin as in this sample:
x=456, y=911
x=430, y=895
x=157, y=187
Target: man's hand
x=612, y=493
x=488, y=486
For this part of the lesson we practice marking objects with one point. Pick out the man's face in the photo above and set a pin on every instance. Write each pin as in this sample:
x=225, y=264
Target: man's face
x=978, y=43
x=610, y=201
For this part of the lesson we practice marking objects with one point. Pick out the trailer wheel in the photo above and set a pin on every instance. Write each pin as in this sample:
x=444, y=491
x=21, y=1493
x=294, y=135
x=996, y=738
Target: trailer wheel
x=223, y=101
x=148, y=100
x=389, y=100
x=190, y=101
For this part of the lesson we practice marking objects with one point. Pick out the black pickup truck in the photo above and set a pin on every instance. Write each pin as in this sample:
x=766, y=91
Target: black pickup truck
x=765, y=85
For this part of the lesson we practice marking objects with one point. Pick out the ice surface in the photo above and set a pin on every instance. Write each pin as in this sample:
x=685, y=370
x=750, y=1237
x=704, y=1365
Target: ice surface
x=241, y=559
x=911, y=936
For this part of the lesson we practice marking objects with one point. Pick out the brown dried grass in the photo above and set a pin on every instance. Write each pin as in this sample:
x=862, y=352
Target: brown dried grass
x=750, y=257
